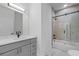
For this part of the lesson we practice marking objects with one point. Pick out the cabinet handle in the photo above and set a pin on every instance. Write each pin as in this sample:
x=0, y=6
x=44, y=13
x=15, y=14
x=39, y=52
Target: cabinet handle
x=20, y=49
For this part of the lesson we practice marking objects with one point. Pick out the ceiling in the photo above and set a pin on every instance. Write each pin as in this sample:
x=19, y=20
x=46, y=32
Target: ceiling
x=58, y=6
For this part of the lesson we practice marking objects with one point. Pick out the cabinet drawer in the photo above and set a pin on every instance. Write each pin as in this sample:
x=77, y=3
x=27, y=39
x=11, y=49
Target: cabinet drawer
x=8, y=47
x=27, y=42
x=33, y=40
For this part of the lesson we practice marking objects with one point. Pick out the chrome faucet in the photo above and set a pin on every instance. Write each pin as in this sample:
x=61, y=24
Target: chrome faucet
x=18, y=33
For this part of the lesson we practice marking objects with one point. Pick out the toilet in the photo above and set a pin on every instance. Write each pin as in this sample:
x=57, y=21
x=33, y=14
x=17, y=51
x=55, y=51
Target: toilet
x=73, y=52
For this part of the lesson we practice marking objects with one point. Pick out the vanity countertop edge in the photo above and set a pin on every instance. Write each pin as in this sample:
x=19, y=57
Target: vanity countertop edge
x=14, y=40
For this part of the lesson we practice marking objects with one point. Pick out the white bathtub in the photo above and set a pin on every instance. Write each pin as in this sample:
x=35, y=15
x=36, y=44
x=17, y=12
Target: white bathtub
x=65, y=45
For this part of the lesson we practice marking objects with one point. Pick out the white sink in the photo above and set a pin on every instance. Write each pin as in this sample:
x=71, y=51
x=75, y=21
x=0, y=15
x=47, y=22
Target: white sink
x=73, y=52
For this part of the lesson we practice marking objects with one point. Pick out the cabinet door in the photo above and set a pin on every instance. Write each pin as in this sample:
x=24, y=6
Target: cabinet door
x=33, y=47
x=25, y=50
x=10, y=53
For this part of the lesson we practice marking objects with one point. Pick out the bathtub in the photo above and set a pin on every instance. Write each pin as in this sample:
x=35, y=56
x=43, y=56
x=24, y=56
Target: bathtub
x=65, y=45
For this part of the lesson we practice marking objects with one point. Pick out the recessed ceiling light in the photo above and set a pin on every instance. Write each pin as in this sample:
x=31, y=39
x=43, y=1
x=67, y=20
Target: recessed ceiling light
x=65, y=5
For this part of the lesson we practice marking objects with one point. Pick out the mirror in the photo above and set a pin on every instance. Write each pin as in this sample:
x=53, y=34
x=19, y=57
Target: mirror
x=10, y=21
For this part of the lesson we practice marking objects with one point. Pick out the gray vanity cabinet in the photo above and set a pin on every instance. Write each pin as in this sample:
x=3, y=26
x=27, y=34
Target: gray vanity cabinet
x=22, y=48
x=20, y=51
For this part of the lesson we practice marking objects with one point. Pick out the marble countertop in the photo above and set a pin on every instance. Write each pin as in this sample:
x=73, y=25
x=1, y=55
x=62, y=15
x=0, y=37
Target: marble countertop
x=13, y=38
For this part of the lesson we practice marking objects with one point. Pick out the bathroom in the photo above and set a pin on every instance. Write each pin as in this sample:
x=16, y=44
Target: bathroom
x=39, y=29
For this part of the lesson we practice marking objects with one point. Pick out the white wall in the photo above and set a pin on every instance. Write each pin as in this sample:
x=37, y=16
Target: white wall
x=73, y=22
x=6, y=21
x=46, y=34
x=35, y=23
